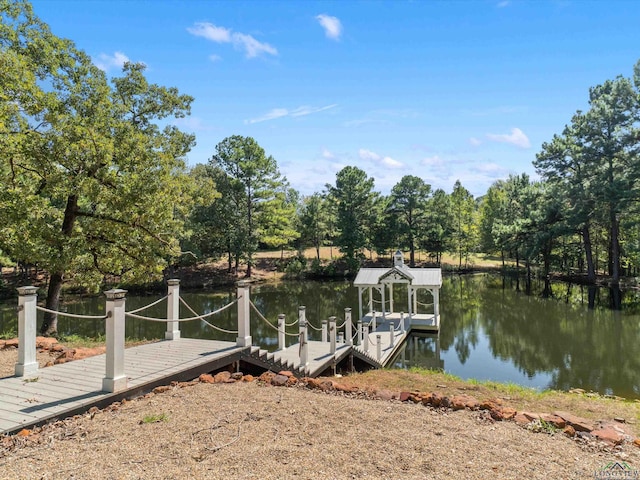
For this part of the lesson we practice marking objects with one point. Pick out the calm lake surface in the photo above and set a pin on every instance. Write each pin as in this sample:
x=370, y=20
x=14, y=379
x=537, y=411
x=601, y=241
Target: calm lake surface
x=489, y=329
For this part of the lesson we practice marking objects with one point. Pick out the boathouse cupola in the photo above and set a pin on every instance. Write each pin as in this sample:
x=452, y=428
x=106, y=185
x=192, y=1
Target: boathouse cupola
x=398, y=259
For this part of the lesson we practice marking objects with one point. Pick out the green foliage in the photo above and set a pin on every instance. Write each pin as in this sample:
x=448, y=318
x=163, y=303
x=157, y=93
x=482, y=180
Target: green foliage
x=464, y=228
x=314, y=220
x=154, y=418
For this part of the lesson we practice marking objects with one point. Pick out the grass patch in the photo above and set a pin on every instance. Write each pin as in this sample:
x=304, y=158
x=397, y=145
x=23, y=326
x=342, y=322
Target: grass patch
x=31, y=380
x=154, y=418
x=79, y=341
x=8, y=335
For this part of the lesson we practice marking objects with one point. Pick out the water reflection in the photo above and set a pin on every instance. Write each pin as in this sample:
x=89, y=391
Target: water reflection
x=490, y=329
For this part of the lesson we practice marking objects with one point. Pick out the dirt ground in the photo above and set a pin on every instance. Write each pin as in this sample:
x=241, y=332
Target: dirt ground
x=251, y=430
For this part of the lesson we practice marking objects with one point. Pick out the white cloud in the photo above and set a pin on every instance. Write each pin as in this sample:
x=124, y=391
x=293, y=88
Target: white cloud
x=332, y=26
x=106, y=62
x=474, y=142
x=373, y=157
x=284, y=112
x=210, y=32
x=434, y=161
x=516, y=137
x=327, y=154
x=215, y=58
x=242, y=41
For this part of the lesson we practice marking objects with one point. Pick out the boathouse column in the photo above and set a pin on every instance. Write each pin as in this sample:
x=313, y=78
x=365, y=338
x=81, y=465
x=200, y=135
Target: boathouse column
x=27, y=315
x=415, y=300
x=348, y=333
x=244, y=315
x=384, y=302
x=370, y=299
x=360, y=302
x=390, y=297
x=409, y=300
x=436, y=306
x=115, y=379
x=173, y=310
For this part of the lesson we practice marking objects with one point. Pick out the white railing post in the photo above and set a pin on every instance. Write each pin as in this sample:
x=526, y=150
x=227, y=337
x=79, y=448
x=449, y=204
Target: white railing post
x=324, y=331
x=244, y=314
x=173, y=310
x=402, y=327
x=27, y=315
x=115, y=379
x=379, y=347
x=365, y=337
x=392, y=334
x=332, y=335
x=304, y=337
x=348, y=327
x=374, y=324
x=360, y=332
x=281, y=328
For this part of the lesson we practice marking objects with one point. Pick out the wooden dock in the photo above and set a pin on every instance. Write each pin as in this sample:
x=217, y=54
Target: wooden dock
x=70, y=388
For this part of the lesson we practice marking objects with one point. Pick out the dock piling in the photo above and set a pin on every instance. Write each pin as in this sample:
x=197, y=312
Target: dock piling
x=332, y=335
x=281, y=327
x=173, y=310
x=115, y=378
x=244, y=314
x=348, y=327
x=27, y=327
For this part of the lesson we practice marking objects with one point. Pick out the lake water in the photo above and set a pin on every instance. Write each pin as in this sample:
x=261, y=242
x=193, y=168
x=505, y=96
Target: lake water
x=489, y=329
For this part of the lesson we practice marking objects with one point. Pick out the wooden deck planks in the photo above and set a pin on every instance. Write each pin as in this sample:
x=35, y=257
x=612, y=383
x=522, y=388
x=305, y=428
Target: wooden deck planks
x=62, y=389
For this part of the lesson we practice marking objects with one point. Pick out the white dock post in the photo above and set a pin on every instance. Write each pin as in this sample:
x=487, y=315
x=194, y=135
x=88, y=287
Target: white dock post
x=391, y=297
x=27, y=320
x=365, y=337
x=173, y=310
x=281, y=328
x=348, y=327
x=244, y=314
x=436, y=306
x=374, y=324
x=360, y=332
x=392, y=334
x=402, y=326
x=324, y=331
x=304, y=342
x=115, y=379
x=379, y=347
x=384, y=302
x=332, y=335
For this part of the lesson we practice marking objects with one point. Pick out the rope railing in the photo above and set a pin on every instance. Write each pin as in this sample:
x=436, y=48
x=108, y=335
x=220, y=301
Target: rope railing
x=72, y=315
x=262, y=317
x=292, y=323
x=309, y=324
x=148, y=306
x=198, y=317
x=425, y=304
x=203, y=320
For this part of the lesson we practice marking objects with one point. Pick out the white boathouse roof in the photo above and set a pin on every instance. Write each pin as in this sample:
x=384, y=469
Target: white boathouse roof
x=399, y=273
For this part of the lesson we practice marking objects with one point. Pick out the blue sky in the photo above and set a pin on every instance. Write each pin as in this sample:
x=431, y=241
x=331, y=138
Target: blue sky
x=464, y=90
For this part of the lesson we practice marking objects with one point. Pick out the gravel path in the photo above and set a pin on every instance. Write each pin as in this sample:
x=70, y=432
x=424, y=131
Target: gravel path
x=247, y=430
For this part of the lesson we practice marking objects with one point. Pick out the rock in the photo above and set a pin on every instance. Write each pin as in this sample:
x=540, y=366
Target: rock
x=491, y=404
x=578, y=391
x=292, y=381
x=608, y=434
x=312, y=382
x=286, y=373
x=580, y=424
x=266, y=377
x=619, y=420
x=461, y=402
x=237, y=376
x=206, y=378
x=404, y=396
x=436, y=399
x=415, y=397
x=45, y=343
x=48, y=364
x=555, y=420
x=58, y=348
x=24, y=433
x=636, y=442
x=165, y=388
x=386, y=395
x=82, y=352
x=279, y=380
x=221, y=377
x=500, y=413
x=2, y=344
x=11, y=343
x=248, y=378
x=521, y=419
x=569, y=431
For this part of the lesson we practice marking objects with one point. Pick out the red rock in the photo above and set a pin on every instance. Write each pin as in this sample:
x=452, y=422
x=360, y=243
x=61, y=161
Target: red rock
x=312, y=382
x=292, y=381
x=521, y=419
x=266, y=377
x=12, y=343
x=248, y=378
x=286, y=373
x=531, y=416
x=45, y=343
x=48, y=364
x=206, y=378
x=58, y=348
x=82, y=352
x=279, y=380
x=94, y=409
x=445, y=402
x=404, y=396
x=636, y=442
x=580, y=424
x=608, y=434
x=436, y=399
x=2, y=344
x=555, y=420
x=461, y=402
x=502, y=413
x=569, y=431
x=162, y=389
x=490, y=404
x=415, y=398
x=24, y=433
x=386, y=395
x=221, y=377
x=237, y=376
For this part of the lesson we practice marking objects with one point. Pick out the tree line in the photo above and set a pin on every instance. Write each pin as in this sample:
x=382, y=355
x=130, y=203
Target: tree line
x=95, y=185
